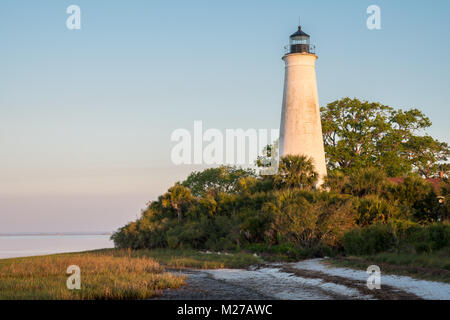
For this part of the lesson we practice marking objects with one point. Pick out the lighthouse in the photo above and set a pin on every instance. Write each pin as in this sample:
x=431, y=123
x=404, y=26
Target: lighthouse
x=301, y=128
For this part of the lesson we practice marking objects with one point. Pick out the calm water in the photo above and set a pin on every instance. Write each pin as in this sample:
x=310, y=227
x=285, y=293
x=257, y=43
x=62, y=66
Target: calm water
x=33, y=245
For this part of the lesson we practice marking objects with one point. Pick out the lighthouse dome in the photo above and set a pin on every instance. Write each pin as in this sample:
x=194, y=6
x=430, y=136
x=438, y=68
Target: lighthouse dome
x=299, y=42
x=299, y=35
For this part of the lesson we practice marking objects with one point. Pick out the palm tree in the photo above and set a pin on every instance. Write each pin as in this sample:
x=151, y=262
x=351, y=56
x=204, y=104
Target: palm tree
x=177, y=197
x=296, y=172
x=366, y=181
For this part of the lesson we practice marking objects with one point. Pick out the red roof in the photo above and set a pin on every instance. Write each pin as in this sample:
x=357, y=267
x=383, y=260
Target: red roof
x=435, y=182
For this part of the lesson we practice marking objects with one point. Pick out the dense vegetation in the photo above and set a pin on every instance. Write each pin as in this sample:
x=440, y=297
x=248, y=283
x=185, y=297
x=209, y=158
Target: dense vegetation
x=360, y=211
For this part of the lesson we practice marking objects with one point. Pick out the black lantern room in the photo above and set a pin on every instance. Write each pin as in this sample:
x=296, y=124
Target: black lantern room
x=299, y=42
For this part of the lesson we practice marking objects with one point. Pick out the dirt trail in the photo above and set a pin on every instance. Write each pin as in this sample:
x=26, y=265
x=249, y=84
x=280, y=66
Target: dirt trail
x=293, y=281
x=388, y=292
x=200, y=285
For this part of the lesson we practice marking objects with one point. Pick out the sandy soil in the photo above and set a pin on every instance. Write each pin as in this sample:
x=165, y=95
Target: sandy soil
x=309, y=279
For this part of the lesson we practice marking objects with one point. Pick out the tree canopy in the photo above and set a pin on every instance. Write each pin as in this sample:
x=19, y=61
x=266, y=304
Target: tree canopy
x=360, y=134
x=221, y=179
x=177, y=198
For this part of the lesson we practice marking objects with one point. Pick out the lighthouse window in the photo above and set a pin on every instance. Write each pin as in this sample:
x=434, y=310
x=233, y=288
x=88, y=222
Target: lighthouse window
x=300, y=41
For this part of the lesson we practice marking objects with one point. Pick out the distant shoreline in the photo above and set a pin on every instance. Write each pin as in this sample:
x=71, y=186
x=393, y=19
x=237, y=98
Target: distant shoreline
x=15, y=234
x=28, y=244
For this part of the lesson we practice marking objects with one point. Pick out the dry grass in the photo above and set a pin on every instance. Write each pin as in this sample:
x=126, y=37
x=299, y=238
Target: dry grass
x=185, y=258
x=103, y=276
x=107, y=273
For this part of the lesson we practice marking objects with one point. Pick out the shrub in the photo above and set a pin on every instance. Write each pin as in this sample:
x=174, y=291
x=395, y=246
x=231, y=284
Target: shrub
x=365, y=181
x=374, y=209
x=336, y=216
x=308, y=219
x=416, y=197
x=396, y=235
x=252, y=185
x=294, y=219
x=296, y=172
x=430, y=238
x=369, y=240
x=336, y=181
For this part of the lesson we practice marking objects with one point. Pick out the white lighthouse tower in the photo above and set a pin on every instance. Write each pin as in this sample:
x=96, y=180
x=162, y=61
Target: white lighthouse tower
x=301, y=128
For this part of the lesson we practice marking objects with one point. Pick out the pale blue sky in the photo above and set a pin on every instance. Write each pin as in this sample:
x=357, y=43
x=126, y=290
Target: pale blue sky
x=86, y=115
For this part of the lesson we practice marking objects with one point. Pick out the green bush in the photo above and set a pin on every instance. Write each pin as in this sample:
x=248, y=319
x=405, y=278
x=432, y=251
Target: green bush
x=366, y=181
x=308, y=218
x=430, y=238
x=396, y=235
x=369, y=240
x=374, y=209
x=416, y=198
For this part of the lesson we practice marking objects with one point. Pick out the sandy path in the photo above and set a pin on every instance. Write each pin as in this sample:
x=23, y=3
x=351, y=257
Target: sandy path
x=305, y=280
x=421, y=288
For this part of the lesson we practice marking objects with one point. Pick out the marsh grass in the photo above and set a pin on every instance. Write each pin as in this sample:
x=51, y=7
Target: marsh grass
x=108, y=273
x=103, y=276
x=185, y=258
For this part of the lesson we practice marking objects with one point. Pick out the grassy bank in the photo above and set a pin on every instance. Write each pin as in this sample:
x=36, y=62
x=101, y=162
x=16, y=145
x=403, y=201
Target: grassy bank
x=102, y=277
x=428, y=266
x=107, y=274
x=185, y=258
